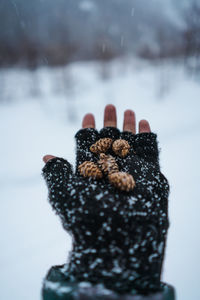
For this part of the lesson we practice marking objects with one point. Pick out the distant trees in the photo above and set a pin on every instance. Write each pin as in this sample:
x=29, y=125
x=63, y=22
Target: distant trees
x=57, y=32
x=34, y=33
x=191, y=34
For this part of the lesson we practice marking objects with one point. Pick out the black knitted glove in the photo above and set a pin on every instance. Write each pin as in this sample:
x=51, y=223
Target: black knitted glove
x=118, y=237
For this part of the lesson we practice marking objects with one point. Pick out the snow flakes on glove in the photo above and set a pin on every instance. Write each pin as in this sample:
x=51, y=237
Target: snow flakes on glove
x=118, y=236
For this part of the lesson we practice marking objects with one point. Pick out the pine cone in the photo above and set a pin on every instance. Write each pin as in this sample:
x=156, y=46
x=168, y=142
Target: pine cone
x=108, y=164
x=101, y=146
x=121, y=147
x=90, y=169
x=122, y=181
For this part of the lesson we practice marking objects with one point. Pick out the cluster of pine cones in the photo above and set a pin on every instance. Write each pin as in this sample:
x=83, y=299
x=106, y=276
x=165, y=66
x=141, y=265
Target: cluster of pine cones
x=107, y=164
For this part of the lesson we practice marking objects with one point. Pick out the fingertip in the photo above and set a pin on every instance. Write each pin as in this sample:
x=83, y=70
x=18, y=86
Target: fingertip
x=88, y=121
x=110, y=116
x=46, y=158
x=144, y=126
x=110, y=107
x=129, y=121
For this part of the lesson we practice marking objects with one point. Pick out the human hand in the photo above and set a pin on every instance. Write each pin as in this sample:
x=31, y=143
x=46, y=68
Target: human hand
x=119, y=237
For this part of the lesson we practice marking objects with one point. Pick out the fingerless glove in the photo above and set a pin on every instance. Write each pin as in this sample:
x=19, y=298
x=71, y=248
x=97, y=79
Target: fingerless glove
x=119, y=237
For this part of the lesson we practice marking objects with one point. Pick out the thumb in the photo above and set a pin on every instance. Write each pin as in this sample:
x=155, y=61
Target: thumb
x=47, y=157
x=58, y=175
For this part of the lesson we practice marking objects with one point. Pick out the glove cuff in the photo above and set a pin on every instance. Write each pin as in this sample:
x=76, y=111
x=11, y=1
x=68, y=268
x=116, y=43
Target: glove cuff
x=66, y=288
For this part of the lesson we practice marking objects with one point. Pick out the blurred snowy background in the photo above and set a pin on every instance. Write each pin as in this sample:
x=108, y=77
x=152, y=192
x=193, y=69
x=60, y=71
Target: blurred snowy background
x=61, y=59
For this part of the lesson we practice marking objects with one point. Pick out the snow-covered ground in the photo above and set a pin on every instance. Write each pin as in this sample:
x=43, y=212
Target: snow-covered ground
x=39, y=114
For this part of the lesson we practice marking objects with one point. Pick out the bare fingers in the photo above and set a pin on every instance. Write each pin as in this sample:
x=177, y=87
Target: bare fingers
x=88, y=121
x=144, y=126
x=110, y=116
x=129, y=121
x=110, y=119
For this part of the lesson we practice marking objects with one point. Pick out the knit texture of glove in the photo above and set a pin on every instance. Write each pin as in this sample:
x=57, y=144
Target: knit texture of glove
x=118, y=237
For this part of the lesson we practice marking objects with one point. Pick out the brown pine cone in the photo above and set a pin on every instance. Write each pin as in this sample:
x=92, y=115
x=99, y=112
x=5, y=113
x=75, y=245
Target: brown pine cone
x=121, y=147
x=101, y=146
x=90, y=169
x=108, y=164
x=122, y=181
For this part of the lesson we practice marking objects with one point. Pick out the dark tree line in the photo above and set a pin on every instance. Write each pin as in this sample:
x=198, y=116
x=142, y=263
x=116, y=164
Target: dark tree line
x=191, y=32
x=58, y=32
